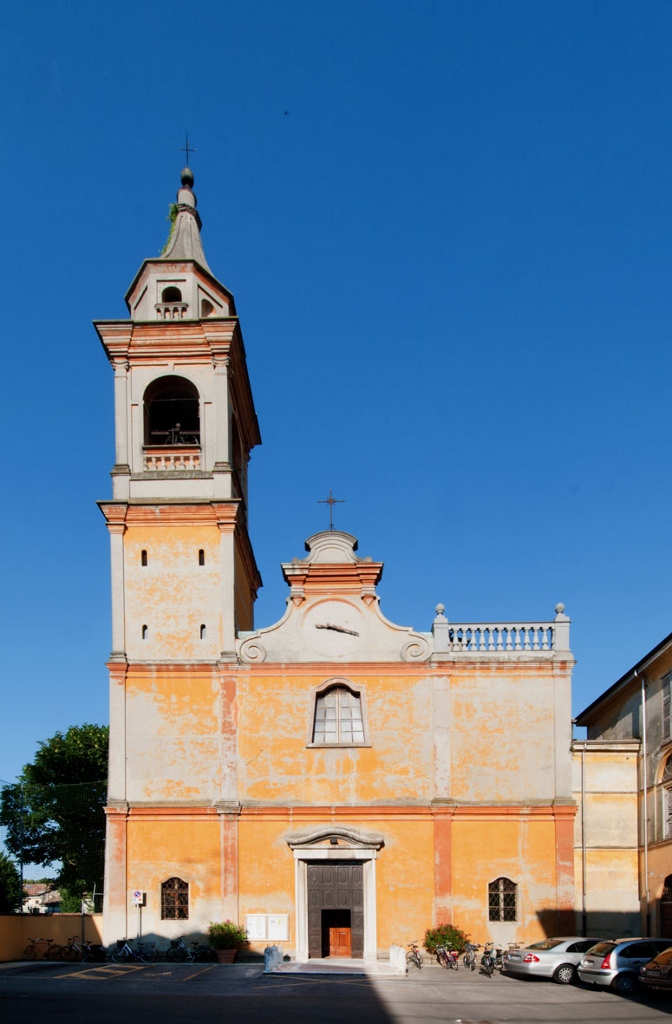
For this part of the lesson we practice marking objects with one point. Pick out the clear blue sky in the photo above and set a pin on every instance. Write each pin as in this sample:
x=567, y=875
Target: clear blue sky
x=448, y=230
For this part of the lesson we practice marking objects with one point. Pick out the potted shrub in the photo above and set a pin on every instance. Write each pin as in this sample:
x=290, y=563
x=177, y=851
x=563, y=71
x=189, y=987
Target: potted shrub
x=445, y=935
x=226, y=938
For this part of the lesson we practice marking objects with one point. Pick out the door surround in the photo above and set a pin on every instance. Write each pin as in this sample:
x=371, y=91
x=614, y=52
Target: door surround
x=336, y=844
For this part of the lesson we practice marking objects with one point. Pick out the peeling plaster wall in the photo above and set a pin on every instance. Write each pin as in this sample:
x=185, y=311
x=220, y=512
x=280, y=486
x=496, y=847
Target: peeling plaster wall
x=611, y=832
x=172, y=595
x=186, y=847
x=174, y=735
x=276, y=766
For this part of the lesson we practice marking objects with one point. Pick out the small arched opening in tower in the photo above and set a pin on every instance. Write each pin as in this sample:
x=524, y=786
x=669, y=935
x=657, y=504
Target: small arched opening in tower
x=171, y=410
x=238, y=461
x=171, y=294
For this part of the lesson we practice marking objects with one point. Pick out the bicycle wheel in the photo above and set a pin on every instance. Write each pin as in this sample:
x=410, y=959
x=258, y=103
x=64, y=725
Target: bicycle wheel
x=176, y=954
x=30, y=952
x=147, y=954
x=54, y=952
x=123, y=954
x=69, y=953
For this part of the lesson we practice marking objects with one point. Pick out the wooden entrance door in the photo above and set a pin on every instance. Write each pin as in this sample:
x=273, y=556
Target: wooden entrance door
x=335, y=887
x=666, y=919
x=340, y=942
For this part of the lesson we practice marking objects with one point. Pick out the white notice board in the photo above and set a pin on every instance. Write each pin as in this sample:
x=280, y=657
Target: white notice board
x=278, y=927
x=274, y=927
x=255, y=926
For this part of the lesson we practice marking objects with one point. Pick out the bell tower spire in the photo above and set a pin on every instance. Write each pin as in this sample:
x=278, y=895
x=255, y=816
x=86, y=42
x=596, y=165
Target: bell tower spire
x=184, y=242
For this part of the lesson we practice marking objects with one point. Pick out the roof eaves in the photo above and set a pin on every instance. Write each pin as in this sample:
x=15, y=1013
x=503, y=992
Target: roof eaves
x=624, y=680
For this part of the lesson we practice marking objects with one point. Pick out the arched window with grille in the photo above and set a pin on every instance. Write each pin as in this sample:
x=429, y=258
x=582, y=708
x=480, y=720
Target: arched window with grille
x=502, y=900
x=338, y=717
x=174, y=900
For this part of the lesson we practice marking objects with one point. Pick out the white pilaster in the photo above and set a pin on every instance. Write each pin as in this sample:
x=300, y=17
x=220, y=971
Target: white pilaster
x=228, y=585
x=121, y=411
x=118, y=606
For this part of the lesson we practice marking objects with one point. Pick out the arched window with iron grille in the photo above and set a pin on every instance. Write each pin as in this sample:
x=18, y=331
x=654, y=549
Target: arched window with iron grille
x=502, y=900
x=174, y=900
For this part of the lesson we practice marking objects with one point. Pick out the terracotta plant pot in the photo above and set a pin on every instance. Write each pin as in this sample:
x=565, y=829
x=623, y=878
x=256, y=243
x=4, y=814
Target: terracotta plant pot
x=226, y=956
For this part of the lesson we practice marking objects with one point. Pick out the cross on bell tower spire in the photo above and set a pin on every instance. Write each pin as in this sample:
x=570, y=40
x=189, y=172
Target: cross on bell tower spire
x=187, y=149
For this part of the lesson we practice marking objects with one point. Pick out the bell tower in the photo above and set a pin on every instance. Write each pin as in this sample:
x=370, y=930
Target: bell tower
x=184, y=577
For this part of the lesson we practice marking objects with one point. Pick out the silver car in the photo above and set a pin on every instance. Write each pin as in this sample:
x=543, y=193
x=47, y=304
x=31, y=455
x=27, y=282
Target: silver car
x=550, y=958
x=616, y=963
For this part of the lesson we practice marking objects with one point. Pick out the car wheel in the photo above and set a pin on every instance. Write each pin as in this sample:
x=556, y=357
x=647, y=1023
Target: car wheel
x=624, y=984
x=564, y=974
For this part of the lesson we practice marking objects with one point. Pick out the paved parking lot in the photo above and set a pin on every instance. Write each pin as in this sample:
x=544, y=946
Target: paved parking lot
x=167, y=993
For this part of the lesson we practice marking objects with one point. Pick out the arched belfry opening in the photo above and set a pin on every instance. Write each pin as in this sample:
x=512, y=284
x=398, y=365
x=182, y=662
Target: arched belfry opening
x=171, y=294
x=238, y=460
x=171, y=409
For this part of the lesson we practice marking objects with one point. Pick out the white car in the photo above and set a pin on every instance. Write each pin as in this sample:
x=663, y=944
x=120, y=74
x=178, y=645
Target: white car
x=555, y=958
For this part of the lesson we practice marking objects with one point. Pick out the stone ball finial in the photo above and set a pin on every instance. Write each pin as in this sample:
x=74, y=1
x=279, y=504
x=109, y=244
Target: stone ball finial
x=440, y=609
x=187, y=177
x=559, y=608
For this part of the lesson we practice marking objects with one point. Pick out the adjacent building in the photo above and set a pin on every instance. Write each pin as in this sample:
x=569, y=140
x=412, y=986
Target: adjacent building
x=623, y=786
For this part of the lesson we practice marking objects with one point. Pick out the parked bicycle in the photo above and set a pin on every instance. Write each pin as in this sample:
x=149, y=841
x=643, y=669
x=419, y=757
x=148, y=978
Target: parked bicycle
x=491, y=959
x=469, y=958
x=447, y=957
x=413, y=956
x=47, y=948
x=179, y=952
x=85, y=951
x=123, y=953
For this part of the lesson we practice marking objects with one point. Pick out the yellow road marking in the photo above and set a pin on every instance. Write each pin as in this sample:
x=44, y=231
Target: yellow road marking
x=202, y=971
x=100, y=973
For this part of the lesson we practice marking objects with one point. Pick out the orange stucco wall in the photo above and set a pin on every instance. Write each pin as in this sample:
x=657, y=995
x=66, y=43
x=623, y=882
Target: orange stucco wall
x=172, y=595
x=17, y=930
x=458, y=803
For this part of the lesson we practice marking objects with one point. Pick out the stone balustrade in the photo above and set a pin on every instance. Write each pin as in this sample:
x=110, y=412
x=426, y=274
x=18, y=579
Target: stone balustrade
x=171, y=310
x=172, y=459
x=500, y=638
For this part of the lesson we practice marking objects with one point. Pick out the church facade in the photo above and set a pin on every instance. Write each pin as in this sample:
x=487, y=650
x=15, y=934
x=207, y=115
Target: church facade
x=334, y=782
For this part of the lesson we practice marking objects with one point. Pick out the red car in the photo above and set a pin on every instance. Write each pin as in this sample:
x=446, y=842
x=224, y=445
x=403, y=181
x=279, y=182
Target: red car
x=658, y=972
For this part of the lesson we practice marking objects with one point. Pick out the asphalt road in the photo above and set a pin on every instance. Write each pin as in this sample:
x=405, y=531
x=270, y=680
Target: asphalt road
x=239, y=994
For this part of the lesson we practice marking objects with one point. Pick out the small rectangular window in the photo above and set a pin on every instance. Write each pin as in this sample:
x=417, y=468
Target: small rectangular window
x=201, y=556
x=666, y=706
x=143, y=557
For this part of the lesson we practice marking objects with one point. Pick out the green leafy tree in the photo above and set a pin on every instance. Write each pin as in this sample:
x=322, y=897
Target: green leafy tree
x=10, y=885
x=54, y=814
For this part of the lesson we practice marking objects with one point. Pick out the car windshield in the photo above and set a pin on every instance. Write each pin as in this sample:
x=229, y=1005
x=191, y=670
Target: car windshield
x=602, y=948
x=665, y=957
x=545, y=944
